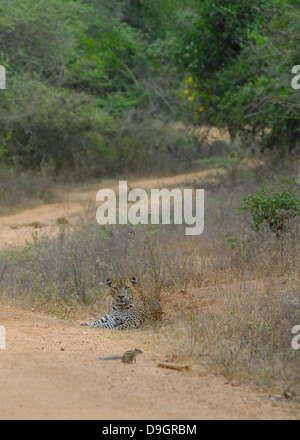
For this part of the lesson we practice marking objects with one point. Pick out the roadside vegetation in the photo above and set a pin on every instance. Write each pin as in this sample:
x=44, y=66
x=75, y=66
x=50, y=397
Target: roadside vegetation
x=108, y=88
x=231, y=296
x=95, y=87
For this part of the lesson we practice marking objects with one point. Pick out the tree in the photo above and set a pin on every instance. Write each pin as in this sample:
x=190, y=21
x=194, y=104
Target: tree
x=39, y=37
x=241, y=54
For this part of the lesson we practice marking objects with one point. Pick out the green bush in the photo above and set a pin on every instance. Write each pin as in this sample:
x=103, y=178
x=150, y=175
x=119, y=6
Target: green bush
x=273, y=211
x=46, y=128
x=39, y=37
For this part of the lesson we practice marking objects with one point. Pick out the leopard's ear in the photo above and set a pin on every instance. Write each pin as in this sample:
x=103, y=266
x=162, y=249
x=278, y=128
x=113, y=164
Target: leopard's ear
x=133, y=280
x=108, y=281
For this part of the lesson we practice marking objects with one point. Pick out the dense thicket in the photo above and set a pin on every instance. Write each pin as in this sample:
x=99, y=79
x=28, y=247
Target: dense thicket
x=242, y=54
x=92, y=83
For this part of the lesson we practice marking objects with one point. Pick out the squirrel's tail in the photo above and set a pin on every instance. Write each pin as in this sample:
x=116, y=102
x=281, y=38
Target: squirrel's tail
x=110, y=358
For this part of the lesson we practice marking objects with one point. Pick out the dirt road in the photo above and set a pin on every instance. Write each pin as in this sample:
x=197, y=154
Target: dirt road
x=73, y=205
x=49, y=369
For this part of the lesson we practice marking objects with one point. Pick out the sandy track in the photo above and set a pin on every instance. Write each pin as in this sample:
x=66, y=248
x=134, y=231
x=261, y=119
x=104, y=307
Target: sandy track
x=49, y=368
x=20, y=228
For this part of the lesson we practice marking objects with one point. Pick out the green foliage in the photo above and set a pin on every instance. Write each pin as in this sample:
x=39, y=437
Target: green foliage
x=39, y=37
x=53, y=128
x=231, y=239
x=215, y=162
x=240, y=54
x=80, y=72
x=124, y=56
x=77, y=71
x=259, y=100
x=154, y=17
x=274, y=211
x=220, y=30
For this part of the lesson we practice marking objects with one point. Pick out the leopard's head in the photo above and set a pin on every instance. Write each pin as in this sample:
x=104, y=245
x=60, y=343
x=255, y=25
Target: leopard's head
x=122, y=290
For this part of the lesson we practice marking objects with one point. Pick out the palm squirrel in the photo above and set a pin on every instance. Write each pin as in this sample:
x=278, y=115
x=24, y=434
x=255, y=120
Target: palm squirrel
x=128, y=357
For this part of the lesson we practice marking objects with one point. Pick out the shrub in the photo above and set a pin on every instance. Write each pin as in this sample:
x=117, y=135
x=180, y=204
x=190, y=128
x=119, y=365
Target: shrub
x=274, y=211
x=41, y=126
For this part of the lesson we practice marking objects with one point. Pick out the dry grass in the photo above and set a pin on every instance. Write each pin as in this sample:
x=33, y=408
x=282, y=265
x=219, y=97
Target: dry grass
x=20, y=190
x=231, y=297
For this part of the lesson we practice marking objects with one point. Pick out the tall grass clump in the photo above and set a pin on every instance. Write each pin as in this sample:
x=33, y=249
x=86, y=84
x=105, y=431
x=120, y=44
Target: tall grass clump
x=71, y=269
x=21, y=190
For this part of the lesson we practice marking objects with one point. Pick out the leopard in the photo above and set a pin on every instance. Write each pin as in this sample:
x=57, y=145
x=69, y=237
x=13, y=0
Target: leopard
x=130, y=308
